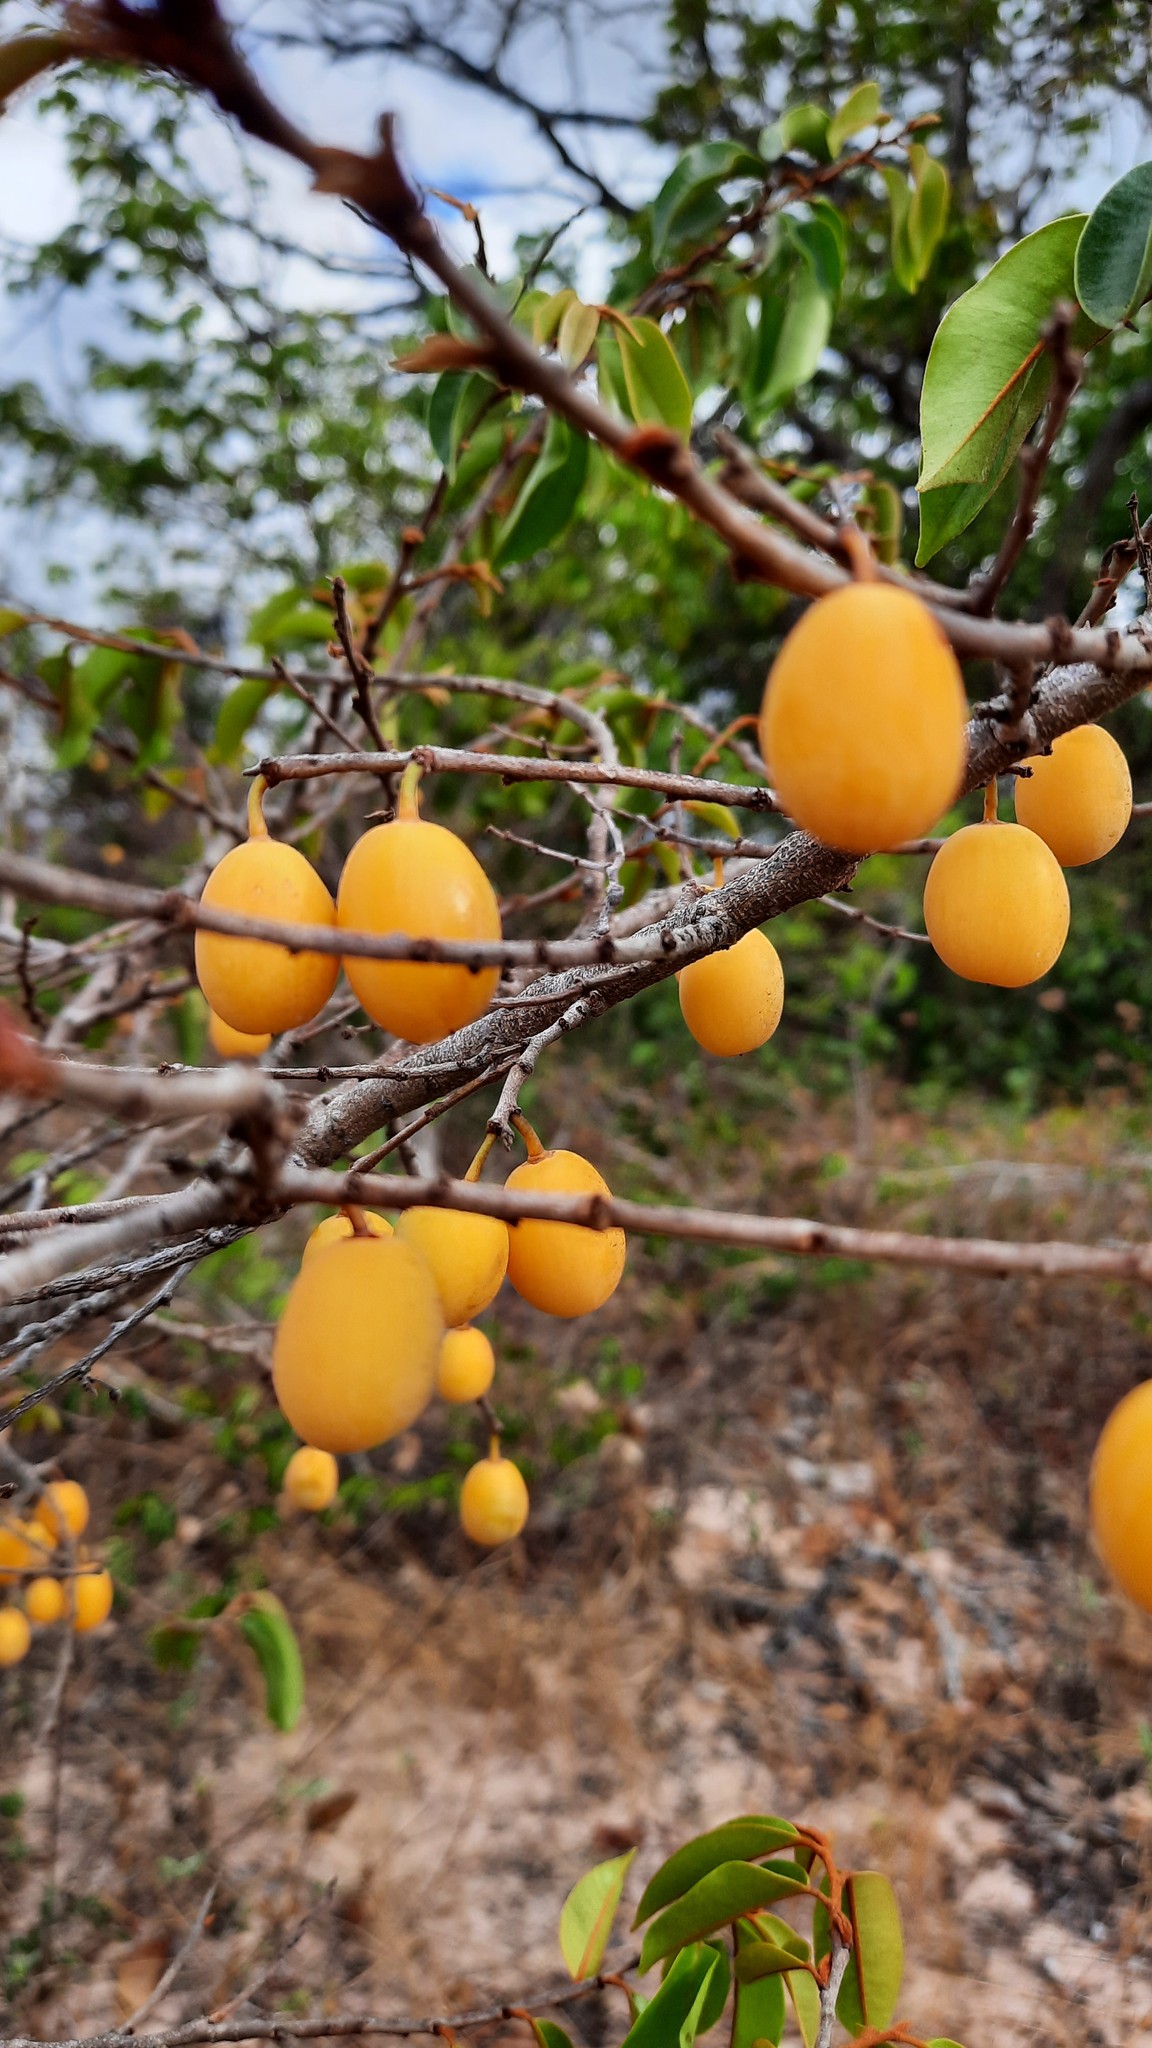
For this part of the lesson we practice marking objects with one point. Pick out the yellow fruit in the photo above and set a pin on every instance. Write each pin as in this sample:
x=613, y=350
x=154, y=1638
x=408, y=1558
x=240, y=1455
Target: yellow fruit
x=1121, y=1495
x=236, y=1045
x=468, y=1257
x=45, y=1601
x=493, y=1501
x=732, y=1002
x=311, y=1478
x=996, y=905
x=562, y=1268
x=251, y=984
x=63, y=1501
x=466, y=1367
x=91, y=1600
x=862, y=725
x=15, y=1635
x=1078, y=797
x=334, y=1228
x=354, y=1360
x=17, y=1550
x=416, y=877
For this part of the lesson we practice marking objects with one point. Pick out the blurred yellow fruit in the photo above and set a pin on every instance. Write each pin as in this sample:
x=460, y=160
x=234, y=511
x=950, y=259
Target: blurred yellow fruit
x=91, y=1600
x=466, y=1367
x=1121, y=1495
x=65, y=1502
x=468, y=1256
x=354, y=1360
x=493, y=1501
x=45, y=1601
x=333, y=1228
x=311, y=1479
x=15, y=1635
x=236, y=1045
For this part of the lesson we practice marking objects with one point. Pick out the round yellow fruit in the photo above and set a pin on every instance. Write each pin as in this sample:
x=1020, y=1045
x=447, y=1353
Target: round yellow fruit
x=996, y=905
x=733, y=1001
x=1121, y=1495
x=311, y=1479
x=1078, y=798
x=45, y=1601
x=415, y=877
x=15, y=1635
x=468, y=1257
x=466, y=1366
x=18, y=1550
x=236, y=1045
x=334, y=1228
x=252, y=984
x=91, y=1600
x=862, y=724
x=563, y=1268
x=354, y=1360
x=493, y=1501
x=63, y=1505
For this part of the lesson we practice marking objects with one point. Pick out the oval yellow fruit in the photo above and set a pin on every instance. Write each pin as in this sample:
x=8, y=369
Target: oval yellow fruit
x=416, y=877
x=468, y=1256
x=334, y=1228
x=15, y=1635
x=45, y=1601
x=563, y=1268
x=733, y=1001
x=354, y=1360
x=996, y=905
x=236, y=1045
x=311, y=1479
x=466, y=1367
x=1078, y=798
x=254, y=985
x=493, y=1501
x=63, y=1504
x=91, y=1600
x=1121, y=1495
x=862, y=724
x=18, y=1549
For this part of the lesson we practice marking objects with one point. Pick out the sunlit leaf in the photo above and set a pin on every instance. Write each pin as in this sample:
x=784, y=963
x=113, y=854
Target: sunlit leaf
x=724, y=1895
x=656, y=385
x=861, y=109
x=587, y=1915
x=576, y=336
x=751, y=1835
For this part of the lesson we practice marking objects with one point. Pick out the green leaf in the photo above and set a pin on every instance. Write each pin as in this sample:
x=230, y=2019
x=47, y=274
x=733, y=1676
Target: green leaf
x=822, y=243
x=718, y=816
x=11, y=622
x=803, y=336
x=455, y=403
x=899, y=205
x=267, y=1630
x=719, y=1982
x=547, y=318
x=988, y=374
x=25, y=57
x=549, y=2035
x=871, y=1986
x=587, y=1915
x=241, y=707
x=763, y=1959
x=861, y=109
x=805, y=127
x=759, y=2008
x=729, y=1891
x=576, y=335
x=672, y=2016
x=749, y=1836
x=805, y=2000
x=688, y=205
x=1114, y=257
x=548, y=496
x=940, y=2042
x=886, y=519
x=928, y=208
x=656, y=385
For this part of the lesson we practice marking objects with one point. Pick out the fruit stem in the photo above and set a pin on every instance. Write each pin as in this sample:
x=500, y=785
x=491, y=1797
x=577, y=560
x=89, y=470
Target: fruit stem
x=718, y=872
x=357, y=1219
x=477, y=1166
x=991, y=791
x=535, y=1149
x=408, y=800
x=861, y=560
x=494, y=1448
x=257, y=824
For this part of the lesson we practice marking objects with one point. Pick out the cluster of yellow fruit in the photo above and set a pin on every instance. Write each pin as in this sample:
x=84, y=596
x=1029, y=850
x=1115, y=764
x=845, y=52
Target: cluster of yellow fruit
x=54, y=1589
x=378, y=1319
x=862, y=728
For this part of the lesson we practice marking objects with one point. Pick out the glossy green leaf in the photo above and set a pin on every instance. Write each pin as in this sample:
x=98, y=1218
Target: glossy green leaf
x=26, y=57
x=688, y=205
x=861, y=109
x=576, y=335
x=267, y=1630
x=802, y=338
x=547, y=317
x=805, y=127
x=822, y=242
x=671, y=2017
x=871, y=1986
x=718, y=816
x=548, y=496
x=758, y=2013
x=587, y=1915
x=899, y=206
x=719, y=1982
x=239, y=711
x=656, y=385
x=764, y=1959
x=928, y=207
x=728, y=1892
x=1114, y=257
x=749, y=1836
x=549, y=2035
x=804, y=1998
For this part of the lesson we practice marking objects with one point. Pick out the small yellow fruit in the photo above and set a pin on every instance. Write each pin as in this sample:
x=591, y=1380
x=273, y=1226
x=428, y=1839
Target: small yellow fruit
x=733, y=1001
x=466, y=1367
x=862, y=725
x=15, y=1635
x=996, y=905
x=335, y=1228
x=45, y=1601
x=252, y=984
x=91, y=1600
x=563, y=1268
x=1078, y=797
x=354, y=1360
x=18, y=1542
x=493, y=1501
x=311, y=1479
x=1121, y=1495
x=63, y=1501
x=415, y=877
x=236, y=1045
x=468, y=1257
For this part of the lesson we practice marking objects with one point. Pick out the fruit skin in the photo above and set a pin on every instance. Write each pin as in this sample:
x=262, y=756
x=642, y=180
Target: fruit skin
x=335, y=1228
x=45, y=1601
x=354, y=1360
x=1078, y=798
x=493, y=1502
x=63, y=1498
x=311, y=1478
x=416, y=877
x=466, y=1365
x=91, y=1600
x=236, y=1045
x=996, y=905
x=1120, y=1494
x=733, y=1001
x=862, y=724
x=563, y=1268
x=251, y=984
x=17, y=1552
x=15, y=1635
x=468, y=1257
